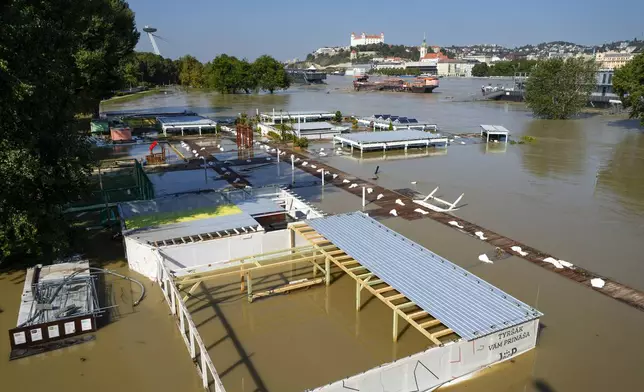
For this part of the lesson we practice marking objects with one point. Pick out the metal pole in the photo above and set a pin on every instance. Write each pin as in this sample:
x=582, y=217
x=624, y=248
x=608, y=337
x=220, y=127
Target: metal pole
x=364, y=196
x=205, y=169
x=322, y=177
x=278, y=155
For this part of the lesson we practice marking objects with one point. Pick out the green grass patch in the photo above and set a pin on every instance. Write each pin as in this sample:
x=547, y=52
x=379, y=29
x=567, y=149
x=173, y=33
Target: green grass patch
x=166, y=218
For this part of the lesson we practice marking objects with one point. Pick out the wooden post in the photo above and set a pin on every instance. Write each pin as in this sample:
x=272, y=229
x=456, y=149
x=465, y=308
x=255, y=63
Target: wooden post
x=204, y=373
x=395, y=334
x=327, y=270
x=249, y=287
x=357, y=296
x=193, y=352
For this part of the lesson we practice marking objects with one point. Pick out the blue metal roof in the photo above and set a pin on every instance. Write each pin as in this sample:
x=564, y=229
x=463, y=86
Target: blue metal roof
x=462, y=301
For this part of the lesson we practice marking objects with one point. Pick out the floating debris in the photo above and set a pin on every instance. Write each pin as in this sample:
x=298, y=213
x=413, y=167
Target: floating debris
x=304, y=163
x=353, y=186
x=334, y=176
x=236, y=180
x=268, y=158
x=380, y=196
x=597, y=283
x=345, y=181
x=414, y=182
x=314, y=167
x=455, y=223
x=485, y=259
x=393, y=212
x=480, y=235
x=558, y=263
x=519, y=250
x=369, y=190
x=421, y=211
x=399, y=202
x=318, y=170
x=322, y=154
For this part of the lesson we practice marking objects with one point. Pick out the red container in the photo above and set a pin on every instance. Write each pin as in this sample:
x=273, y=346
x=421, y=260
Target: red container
x=121, y=134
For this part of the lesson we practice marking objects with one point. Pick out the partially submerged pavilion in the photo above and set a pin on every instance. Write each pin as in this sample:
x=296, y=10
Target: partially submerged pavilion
x=459, y=314
x=388, y=140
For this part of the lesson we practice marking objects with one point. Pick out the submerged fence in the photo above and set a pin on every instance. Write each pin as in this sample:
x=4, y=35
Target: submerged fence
x=117, y=184
x=209, y=377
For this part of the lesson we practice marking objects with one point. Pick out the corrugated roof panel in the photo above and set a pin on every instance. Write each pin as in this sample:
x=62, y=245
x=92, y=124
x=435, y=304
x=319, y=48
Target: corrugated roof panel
x=462, y=301
x=192, y=228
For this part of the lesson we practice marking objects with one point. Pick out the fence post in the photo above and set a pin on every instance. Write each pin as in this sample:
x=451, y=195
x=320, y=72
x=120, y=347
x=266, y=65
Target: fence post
x=204, y=373
x=193, y=353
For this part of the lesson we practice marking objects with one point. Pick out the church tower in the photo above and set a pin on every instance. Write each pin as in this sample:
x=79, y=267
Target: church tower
x=423, y=47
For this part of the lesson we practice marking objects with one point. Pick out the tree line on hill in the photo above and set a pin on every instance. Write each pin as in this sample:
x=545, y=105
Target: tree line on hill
x=503, y=68
x=226, y=74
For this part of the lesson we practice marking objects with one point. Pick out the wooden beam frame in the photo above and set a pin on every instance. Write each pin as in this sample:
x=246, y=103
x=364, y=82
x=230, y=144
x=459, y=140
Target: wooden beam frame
x=364, y=281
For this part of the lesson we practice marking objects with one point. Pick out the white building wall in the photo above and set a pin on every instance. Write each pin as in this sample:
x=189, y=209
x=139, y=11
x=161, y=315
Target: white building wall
x=141, y=258
x=439, y=365
x=224, y=249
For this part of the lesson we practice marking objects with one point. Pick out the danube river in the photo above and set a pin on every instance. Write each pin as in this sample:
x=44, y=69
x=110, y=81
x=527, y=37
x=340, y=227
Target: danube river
x=577, y=192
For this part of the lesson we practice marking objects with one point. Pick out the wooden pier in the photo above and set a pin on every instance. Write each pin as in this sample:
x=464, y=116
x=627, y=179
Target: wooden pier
x=387, y=202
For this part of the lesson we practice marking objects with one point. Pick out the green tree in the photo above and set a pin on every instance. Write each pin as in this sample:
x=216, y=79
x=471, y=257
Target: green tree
x=107, y=37
x=226, y=74
x=558, y=89
x=391, y=126
x=628, y=82
x=149, y=69
x=51, y=67
x=481, y=70
x=270, y=74
x=338, y=116
x=191, y=71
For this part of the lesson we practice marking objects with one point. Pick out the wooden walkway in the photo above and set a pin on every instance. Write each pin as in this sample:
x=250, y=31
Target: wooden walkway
x=387, y=202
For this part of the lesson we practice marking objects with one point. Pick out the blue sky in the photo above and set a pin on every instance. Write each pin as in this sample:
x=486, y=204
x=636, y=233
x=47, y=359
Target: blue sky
x=286, y=29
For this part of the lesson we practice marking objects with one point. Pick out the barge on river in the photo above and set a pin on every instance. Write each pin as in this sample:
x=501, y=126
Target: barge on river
x=420, y=84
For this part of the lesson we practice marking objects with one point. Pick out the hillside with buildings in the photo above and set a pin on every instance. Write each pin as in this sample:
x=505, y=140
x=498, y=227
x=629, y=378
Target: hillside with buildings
x=371, y=53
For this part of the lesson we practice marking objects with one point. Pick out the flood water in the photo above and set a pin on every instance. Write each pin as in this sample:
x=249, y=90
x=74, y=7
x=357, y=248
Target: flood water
x=577, y=193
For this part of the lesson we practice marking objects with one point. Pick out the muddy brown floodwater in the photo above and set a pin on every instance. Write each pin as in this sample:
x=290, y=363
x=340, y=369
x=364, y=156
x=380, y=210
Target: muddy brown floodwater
x=577, y=192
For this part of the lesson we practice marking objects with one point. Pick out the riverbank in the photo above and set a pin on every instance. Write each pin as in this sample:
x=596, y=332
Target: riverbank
x=134, y=96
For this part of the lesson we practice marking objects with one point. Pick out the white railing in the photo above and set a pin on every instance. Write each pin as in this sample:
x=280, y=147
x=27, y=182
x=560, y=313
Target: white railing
x=188, y=330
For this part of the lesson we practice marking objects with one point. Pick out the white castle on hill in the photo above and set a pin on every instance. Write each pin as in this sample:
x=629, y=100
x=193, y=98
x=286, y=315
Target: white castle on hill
x=364, y=39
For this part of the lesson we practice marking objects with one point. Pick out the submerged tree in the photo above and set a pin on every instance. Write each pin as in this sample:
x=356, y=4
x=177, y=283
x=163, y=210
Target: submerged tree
x=57, y=58
x=270, y=74
x=629, y=84
x=191, y=71
x=558, y=89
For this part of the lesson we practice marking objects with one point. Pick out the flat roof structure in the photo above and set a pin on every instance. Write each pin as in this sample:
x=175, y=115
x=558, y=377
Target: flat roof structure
x=466, y=304
x=58, y=301
x=196, y=230
x=497, y=132
x=305, y=116
x=317, y=128
x=382, y=121
x=390, y=139
x=181, y=123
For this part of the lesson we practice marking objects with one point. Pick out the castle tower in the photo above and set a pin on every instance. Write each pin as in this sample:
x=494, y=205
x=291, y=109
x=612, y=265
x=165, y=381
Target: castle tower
x=423, y=47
